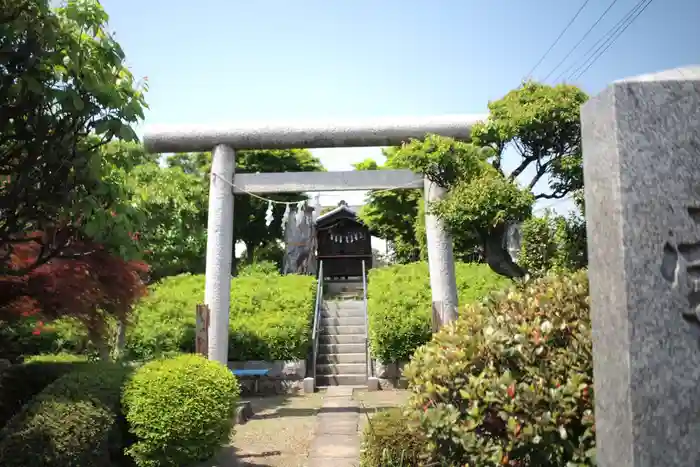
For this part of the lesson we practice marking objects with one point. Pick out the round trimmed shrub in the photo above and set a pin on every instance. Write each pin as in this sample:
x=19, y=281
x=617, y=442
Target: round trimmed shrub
x=20, y=383
x=179, y=410
x=74, y=422
x=389, y=441
x=510, y=382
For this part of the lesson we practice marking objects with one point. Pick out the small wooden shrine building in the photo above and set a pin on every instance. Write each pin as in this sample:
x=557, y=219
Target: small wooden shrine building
x=343, y=243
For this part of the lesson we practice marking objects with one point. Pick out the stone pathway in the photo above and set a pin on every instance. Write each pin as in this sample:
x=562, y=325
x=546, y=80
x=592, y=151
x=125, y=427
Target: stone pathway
x=337, y=441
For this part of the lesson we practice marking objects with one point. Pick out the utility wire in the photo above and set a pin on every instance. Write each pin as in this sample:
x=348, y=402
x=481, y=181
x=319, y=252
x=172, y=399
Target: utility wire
x=600, y=18
x=578, y=64
x=529, y=75
x=646, y=5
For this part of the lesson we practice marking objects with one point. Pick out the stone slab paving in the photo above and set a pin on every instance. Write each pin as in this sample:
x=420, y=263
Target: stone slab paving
x=337, y=441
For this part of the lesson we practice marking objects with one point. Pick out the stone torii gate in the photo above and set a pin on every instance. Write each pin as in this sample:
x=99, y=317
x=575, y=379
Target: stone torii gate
x=223, y=141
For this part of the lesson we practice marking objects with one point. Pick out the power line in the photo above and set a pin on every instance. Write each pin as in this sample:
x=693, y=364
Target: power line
x=577, y=65
x=557, y=39
x=600, y=18
x=614, y=39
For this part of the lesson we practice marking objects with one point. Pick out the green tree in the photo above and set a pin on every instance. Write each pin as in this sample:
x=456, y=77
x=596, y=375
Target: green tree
x=392, y=215
x=481, y=201
x=542, y=124
x=172, y=203
x=249, y=211
x=193, y=163
x=126, y=155
x=62, y=79
x=553, y=242
x=174, y=233
x=399, y=215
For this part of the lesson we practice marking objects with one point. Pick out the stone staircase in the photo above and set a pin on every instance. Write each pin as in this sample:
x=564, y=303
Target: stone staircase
x=342, y=360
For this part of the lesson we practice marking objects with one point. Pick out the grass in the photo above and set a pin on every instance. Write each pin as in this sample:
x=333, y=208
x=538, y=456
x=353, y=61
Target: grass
x=372, y=402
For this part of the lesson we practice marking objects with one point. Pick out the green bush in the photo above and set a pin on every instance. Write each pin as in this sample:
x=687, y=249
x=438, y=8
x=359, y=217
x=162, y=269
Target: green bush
x=20, y=383
x=510, y=382
x=389, y=441
x=180, y=410
x=271, y=254
x=400, y=304
x=259, y=268
x=74, y=422
x=56, y=358
x=270, y=317
x=71, y=336
x=18, y=339
x=553, y=243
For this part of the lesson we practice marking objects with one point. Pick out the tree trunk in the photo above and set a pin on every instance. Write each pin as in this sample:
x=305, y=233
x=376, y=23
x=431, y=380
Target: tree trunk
x=120, y=341
x=496, y=255
x=300, y=243
x=101, y=344
x=249, y=251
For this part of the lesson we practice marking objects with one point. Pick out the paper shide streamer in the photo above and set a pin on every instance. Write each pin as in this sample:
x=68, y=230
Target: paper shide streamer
x=300, y=211
x=285, y=216
x=269, y=215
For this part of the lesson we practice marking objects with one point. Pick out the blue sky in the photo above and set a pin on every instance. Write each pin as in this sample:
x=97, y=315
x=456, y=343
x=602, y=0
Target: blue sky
x=214, y=61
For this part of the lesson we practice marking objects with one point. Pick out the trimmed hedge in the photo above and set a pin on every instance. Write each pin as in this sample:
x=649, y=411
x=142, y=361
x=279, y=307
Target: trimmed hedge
x=389, y=441
x=270, y=317
x=74, y=422
x=180, y=410
x=20, y=383
x=511, y=381
x=400, y=304
x=56, y=358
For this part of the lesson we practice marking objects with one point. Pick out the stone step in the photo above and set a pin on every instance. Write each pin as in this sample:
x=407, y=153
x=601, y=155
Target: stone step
x=343, y=330
x=348, y=302
x=333, y=348
x=359, y=357
x=323, y=369
x=334, y=288
x=342, y=339
x=343, y=321
x=334, y=312
x=356, y=294
x=346, y=305
x=341, y=380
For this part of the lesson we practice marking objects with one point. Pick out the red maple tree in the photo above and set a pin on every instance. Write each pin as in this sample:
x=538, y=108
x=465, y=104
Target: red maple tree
x=89, y=285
